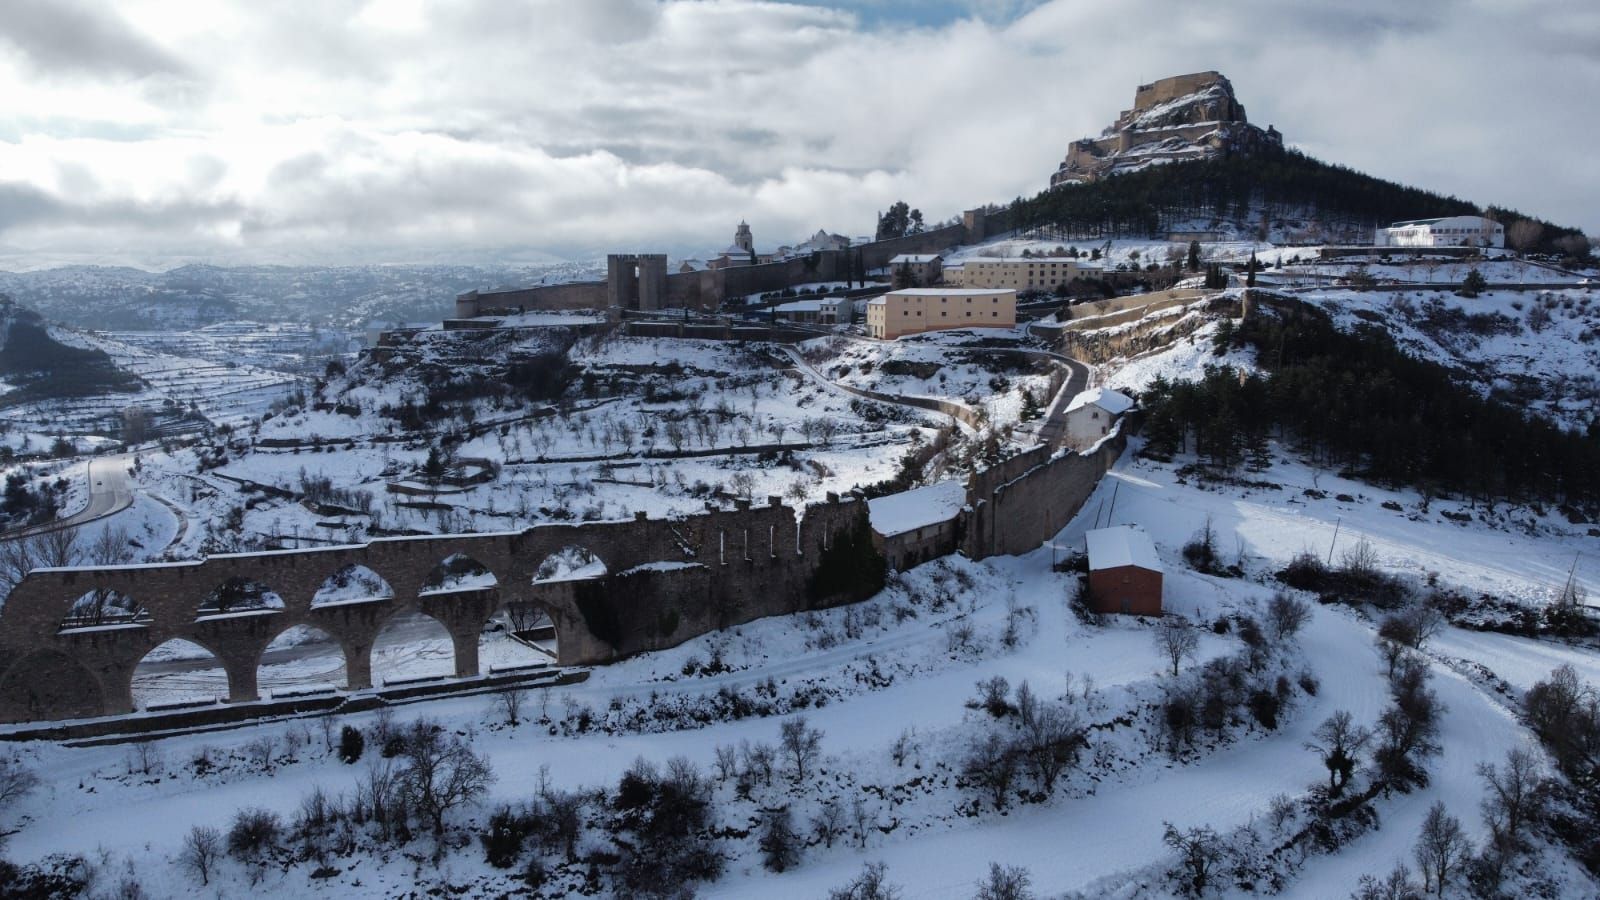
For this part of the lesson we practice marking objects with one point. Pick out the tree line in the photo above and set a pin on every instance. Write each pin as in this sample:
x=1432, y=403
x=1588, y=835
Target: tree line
x=1286, y=183
x=1355, y=401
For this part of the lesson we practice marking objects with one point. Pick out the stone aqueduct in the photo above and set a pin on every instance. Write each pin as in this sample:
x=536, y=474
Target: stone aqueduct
x=666, y=580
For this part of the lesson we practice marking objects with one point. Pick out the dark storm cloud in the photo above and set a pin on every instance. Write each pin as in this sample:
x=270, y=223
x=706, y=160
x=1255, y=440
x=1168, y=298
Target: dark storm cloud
x=64, y=37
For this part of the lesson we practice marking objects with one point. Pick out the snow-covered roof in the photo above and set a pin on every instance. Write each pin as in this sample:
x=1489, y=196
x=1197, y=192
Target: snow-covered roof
x=951, y=292
x=913, y=258
x=1114, y=402
x=797, y=306
x=909, y=510
x=1028, y=259
x=1122, y=545
x=877, y=301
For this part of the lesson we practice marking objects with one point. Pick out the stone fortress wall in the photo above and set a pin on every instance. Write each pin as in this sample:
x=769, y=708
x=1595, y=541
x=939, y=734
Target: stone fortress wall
x=642, y=282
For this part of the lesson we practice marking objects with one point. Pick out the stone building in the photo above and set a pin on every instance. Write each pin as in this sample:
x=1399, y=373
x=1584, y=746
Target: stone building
x=1180, y=118
x=918, y=310
x=917, y=269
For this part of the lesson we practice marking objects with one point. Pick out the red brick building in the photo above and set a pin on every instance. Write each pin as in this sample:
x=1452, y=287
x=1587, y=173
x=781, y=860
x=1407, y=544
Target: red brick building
x=1124, y=572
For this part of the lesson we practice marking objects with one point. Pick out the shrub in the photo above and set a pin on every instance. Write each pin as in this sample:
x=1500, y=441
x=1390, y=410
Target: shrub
x=254, y=832
x=351, y=745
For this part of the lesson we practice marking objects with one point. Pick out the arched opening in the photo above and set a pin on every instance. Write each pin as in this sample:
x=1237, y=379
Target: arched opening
x=352, y=584
x=520, y=634
x=569, y=564
x=302, y=659
x=178, y=673
x=458, y=572
x=412, y=646
x=104, y=608
x=239, y=596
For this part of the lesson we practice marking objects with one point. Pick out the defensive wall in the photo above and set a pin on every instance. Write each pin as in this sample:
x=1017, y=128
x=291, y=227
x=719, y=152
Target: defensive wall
x=666, y=580
x=640, y=281
x=1013, y=506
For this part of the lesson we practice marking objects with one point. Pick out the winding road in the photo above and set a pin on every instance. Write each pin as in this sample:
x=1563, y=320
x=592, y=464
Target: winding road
x=109, y=494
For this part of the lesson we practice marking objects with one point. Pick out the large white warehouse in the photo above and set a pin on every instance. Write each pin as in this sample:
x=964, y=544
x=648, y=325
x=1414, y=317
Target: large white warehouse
x=1453, y=231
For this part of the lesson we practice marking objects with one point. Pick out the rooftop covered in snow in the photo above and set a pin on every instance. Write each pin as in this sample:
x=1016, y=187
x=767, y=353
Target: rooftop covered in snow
x=1114, y=402
x=1121, y=545
x=909, y=510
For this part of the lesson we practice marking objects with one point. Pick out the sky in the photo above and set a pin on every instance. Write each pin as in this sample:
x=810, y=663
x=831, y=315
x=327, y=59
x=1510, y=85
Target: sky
x=161, y=132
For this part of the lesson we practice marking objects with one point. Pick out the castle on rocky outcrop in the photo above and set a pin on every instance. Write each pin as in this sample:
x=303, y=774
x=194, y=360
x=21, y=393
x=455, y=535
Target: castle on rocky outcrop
x=1180, y=118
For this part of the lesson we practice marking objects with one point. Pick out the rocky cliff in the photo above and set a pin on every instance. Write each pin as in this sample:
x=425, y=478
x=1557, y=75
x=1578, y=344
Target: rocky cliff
x=1184, y=117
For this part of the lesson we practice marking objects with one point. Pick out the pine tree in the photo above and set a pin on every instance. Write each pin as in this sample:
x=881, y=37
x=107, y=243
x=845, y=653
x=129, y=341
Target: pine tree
x=1250, y=272
x=1194, y=256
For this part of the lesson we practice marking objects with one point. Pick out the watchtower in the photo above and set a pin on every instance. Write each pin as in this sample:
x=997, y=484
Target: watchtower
x=636, y=280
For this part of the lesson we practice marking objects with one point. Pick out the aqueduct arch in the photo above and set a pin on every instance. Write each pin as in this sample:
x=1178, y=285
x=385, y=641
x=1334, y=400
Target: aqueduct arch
x=660, y=582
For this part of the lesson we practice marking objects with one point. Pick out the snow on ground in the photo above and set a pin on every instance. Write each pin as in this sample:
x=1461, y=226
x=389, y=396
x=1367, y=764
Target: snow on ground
x=1088, y=836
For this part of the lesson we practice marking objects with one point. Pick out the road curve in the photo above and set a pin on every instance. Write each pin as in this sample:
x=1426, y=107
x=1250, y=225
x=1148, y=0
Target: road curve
x=109, y=494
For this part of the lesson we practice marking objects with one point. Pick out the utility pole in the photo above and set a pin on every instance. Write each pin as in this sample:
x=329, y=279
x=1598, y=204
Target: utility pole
x=1337, y=522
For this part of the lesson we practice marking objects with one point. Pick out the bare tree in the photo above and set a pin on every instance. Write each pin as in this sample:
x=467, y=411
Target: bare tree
x=871, y=884
x=861, y=819
x=828, y=823
x=1513, y=799
x=1051, y=739
x=1199, y=852
x=58, y=547
x=1005, y=883
x=1524, y=235
x=1394, y=886
x=1441, y=848
x=1286, y=615
x=991, y=764
x=441, y=773
x=759, y=760
x=202, y=848
x=1392, y=652
x=509, y=702
x=1338, y=740
x=1176, y=641
x=1414, y=625
x=16, y=782
x=111, y=547
x=801, y=745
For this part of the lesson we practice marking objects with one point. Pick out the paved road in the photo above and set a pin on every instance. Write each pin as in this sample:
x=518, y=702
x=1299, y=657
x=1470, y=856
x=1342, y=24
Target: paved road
x=109, y=494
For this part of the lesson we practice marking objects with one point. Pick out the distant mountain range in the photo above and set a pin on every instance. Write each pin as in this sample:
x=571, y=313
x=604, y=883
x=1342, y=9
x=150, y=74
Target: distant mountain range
x=192, y=296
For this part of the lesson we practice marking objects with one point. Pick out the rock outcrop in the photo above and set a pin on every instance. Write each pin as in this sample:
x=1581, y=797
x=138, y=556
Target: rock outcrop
x=1180, y=118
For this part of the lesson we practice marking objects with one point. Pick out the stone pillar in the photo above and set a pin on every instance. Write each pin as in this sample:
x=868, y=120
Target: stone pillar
x=242, y=679
x=357, y=664
x=466, y=647
x=116, y=688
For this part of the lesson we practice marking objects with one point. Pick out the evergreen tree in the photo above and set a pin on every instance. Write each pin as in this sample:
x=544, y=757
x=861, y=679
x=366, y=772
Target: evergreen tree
x=1194, y=256
x=1250, y=272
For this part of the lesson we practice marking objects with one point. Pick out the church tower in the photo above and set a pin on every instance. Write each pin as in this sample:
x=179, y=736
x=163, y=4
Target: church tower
x=742, y=238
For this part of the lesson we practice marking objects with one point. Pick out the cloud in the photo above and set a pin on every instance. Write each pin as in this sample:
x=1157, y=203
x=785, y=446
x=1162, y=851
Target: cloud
x=394, y=130
x=64, y=37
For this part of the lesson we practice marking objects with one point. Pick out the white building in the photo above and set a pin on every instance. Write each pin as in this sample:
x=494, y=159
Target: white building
x=822, y=311
x=1091, y=414
x=1453, y=231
